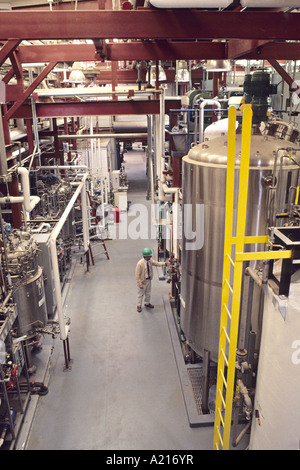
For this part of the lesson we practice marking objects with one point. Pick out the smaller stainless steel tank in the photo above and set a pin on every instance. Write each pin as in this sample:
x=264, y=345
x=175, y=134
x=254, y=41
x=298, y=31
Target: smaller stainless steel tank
x=30, y=299
x=55, y=196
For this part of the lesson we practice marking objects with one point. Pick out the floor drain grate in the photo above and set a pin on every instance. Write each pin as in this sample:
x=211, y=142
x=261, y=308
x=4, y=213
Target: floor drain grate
x=196, y=379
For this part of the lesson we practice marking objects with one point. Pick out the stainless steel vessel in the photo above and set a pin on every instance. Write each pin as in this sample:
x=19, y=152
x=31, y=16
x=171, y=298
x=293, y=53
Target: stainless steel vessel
x=30, y=299
x=27, y=281
x=204, y=184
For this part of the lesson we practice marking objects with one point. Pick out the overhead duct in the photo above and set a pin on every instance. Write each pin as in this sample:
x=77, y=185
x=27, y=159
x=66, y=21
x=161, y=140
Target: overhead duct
x=190, y=3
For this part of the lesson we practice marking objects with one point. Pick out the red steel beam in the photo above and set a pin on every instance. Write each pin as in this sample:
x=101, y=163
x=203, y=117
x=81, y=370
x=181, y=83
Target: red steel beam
x=166, y=50
x=7, y=49
x=237, y=49
x=101, y=108
x=11, y=112
x=161, y=50
x=58, y=53
x=149, y=23
x=276, y=50
x=286, y=77
x=142, y=50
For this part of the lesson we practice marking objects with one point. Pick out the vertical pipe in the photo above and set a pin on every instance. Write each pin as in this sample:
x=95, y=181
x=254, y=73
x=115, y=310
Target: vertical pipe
x=205, y=385
x=3, y=159
x=84, y=217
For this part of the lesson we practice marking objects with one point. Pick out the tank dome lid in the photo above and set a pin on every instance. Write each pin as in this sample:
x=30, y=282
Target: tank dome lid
x=262, y=152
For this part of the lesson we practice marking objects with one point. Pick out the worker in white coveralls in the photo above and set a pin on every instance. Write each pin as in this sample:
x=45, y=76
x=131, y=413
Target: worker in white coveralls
x=143, y=275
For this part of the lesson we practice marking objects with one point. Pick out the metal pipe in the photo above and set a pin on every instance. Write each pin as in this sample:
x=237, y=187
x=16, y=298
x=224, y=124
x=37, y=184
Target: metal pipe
x=29, y=201
x=162, y=130
x=136, y=135
x=204, y=103
x=270, y=3
x=190, y=3
x=3, y=159
x=62, y=167
x=254, y=275
x=244, y=312
x=175, y=223
x=95, y=91
x=205, y=387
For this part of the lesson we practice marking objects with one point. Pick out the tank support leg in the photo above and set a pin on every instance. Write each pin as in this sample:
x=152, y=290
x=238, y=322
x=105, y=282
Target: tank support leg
x=67, y=352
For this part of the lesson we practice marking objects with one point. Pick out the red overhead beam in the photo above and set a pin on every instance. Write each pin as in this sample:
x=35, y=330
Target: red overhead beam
x=142, y=50
x=11, y=112
x=149, y=24
x=57, y=52
x=237, y=49
x=275, y=50
x=166, y=50
x=101, y=108
x=286, y=77
x=162, y=50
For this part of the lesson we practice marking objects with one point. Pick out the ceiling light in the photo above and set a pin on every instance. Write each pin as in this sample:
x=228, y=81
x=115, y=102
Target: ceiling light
x=161, y=74
x=76, y=75
x=218, y=66
x=183, y=74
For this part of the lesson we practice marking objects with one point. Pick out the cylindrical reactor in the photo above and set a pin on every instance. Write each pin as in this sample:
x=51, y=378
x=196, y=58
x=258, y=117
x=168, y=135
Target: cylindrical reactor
x=204, y=194
x=30, y=299
x=27, y=281
x=275, y=423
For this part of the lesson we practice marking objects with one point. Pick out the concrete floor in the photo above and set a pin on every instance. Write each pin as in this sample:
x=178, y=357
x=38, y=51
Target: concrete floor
x=123, y=390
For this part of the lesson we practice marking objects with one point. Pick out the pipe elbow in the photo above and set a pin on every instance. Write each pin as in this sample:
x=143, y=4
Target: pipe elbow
x=29, y=201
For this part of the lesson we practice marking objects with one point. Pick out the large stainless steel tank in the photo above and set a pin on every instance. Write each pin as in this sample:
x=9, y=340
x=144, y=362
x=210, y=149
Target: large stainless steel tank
x=27, y=281
x=204, y=183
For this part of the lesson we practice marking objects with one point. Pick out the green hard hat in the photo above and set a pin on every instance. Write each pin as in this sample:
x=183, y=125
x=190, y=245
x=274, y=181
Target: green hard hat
x=147, y=252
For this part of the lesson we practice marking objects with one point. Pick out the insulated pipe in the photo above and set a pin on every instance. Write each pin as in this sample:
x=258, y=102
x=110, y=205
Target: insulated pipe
x=162, y=131
x=3, y=159
x=163, y=196
x=202, y=106
x=29, y=201
x=190, y=3
x=64, y=328
x=62, y=167
x=175, y=223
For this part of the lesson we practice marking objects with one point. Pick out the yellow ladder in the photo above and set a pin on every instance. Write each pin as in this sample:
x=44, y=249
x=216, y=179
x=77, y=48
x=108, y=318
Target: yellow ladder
x=233, y=267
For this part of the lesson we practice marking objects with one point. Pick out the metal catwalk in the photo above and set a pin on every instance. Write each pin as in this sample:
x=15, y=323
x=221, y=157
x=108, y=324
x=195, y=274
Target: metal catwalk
x=122, y=391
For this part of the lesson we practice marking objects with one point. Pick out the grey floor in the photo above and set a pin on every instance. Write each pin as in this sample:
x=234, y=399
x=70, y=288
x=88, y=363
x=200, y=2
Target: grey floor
x=123, y=390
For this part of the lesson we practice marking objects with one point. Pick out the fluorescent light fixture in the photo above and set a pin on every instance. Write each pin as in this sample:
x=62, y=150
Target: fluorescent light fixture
x=218, y=66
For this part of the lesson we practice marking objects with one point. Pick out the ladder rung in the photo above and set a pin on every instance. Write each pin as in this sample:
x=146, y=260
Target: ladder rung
x=224, y=380
x=221, y=417
x=219, y=434
x=229, y=286
x=230, y=259
x=227, y=310
x=224, y=355
x=226, y=334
